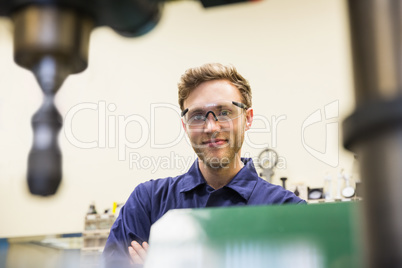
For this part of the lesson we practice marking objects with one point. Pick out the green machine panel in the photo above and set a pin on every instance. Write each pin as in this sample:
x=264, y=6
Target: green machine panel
x=311, y=236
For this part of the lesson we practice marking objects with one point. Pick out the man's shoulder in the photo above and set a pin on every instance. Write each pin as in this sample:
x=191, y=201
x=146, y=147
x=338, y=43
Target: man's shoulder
x=275, y=193
x=160, y=184
x=267, y=187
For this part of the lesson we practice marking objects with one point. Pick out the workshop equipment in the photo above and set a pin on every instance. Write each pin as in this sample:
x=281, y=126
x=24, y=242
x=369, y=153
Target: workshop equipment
x=348, y=191
x=315, y=193
x=284, y=179
x=328, y=187
x=51, y=39
x=304, y=236
x=374, y=130
x=339, y=186
x=267, y=161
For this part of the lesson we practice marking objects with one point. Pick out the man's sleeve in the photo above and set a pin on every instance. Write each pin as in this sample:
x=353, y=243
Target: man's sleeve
x=133, y=223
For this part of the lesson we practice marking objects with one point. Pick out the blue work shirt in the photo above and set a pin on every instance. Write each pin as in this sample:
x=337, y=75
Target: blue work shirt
x=152, y=199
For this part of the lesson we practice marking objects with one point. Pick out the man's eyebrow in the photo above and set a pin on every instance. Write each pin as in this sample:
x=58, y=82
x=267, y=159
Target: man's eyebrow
x=195, y=110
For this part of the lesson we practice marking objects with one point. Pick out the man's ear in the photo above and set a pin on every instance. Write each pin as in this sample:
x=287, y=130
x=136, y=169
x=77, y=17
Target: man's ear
x=249, y=118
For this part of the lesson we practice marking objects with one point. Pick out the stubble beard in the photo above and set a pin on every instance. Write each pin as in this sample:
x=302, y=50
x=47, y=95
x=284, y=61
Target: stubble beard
x=219, y=158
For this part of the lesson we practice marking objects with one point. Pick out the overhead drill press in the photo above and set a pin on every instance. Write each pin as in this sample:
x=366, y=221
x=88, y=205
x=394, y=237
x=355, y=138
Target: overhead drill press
x=51, y=39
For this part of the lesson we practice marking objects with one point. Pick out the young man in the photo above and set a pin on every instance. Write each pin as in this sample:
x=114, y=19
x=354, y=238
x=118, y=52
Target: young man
x=216, y=111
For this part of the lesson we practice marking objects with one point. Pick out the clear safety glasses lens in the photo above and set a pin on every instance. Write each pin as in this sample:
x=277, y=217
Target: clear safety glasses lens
x=223, y=111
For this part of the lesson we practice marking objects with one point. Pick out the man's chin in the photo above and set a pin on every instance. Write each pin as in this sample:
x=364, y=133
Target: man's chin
x=215, y=161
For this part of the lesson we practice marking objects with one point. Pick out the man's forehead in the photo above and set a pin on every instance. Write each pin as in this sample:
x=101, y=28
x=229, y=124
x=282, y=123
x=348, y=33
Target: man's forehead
x=218, y=103
x=213, y=92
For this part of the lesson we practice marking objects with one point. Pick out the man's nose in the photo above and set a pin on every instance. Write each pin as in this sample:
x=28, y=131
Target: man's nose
x=212, y=125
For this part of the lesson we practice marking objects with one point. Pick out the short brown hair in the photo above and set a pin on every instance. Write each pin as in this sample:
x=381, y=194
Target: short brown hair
x=193, y=77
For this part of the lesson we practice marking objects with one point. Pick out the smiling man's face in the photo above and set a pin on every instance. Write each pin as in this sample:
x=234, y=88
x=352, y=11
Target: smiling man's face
x=217, y=143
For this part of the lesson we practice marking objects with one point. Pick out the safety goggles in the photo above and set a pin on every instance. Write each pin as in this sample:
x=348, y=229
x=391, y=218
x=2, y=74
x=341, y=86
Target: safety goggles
x=222, y=111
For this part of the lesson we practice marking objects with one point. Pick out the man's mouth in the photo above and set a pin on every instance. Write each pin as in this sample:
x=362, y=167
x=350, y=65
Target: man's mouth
x=215, y=142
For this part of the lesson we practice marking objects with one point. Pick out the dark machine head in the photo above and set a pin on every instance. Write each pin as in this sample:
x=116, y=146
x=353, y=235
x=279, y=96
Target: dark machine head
x=51, y=39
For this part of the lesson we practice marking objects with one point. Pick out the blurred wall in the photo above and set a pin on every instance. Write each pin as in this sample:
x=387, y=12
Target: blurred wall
x=121, y=120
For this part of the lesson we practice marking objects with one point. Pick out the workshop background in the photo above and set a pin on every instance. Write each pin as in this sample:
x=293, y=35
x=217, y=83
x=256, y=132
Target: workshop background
x=121, y=116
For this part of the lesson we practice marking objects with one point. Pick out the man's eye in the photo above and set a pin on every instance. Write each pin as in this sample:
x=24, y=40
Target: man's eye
x=197, y=117
x=225, y=113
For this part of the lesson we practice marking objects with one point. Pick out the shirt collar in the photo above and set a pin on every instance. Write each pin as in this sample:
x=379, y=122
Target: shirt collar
x=192, y=178
x=243, y=183
x=245, y=180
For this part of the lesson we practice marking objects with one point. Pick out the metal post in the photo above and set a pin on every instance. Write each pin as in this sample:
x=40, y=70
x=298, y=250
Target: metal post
x=374, y=130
